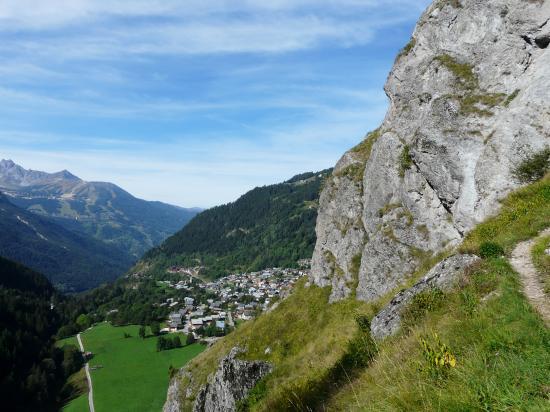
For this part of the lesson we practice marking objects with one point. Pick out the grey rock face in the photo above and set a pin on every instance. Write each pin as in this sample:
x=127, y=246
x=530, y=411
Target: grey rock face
x=469, y=100
x=231, y=383
x=442, y=276
x=173, y=397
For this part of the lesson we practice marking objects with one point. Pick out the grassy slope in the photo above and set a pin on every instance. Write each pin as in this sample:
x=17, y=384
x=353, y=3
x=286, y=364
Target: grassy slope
x=80, y=393
x=134, y=376
x=79, y=404
x=500, y=344
x=304, y=334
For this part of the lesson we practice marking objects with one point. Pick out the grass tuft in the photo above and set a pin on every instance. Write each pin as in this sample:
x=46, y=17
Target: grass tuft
x=463, y=72
x=405, y=161
x=533, y=167
x=362, y=152
x=490, y=250
x=407, y=49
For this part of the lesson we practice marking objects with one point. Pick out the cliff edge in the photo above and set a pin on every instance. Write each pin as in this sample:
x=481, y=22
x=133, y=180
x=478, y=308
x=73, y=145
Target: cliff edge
x=468, y=102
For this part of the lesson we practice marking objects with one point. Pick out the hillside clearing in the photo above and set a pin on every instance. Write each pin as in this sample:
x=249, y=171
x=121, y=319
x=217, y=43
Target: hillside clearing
x=129, y=374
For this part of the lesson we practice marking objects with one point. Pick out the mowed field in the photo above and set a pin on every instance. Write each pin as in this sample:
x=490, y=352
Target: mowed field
x=131, y=375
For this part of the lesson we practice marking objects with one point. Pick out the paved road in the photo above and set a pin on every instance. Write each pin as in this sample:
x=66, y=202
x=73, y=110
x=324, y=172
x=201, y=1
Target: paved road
x=532, y=287
x=88, y=376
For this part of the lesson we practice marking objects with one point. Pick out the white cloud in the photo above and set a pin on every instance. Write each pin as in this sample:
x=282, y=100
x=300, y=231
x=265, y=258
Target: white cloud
x=202, y=170
x=48, y=14
x=86, y=29
x=80, y=62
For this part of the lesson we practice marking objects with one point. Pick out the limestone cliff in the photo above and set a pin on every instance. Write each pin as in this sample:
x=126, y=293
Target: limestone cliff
x=469, y=99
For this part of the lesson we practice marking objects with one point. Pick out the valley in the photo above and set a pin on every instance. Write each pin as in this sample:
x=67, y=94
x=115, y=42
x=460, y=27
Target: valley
x=101, y=210
x=80, y=234
x=414, y=275
x=117, y=360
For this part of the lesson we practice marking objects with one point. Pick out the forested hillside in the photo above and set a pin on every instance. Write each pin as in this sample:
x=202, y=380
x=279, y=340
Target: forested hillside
x=268, y=226
x=72, y=261
x=32, y=370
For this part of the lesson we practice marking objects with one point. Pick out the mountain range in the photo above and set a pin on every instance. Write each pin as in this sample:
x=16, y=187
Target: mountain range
x=101, y=210
x=72, y=261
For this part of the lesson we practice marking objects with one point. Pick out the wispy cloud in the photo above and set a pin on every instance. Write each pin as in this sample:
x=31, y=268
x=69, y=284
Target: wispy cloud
x=209, y=97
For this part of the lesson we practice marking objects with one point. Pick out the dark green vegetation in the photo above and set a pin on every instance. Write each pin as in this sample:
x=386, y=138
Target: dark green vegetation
x=479, y=347
x=270, y=226
x=131, y=375
x=32, y=370
x=133, y=306
x=169, y=342
x=72, y=261
x=405, y=160
x=533, y=167
x=101, y=210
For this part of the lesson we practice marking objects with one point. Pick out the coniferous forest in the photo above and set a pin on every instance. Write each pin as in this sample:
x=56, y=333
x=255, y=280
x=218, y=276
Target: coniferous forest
x=33, y=371
x=270, y=226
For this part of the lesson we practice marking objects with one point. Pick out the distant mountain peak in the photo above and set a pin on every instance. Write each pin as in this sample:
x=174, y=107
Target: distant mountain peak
x=65, y=174
x=7, y=163
x=100, y=209
x=14, y=176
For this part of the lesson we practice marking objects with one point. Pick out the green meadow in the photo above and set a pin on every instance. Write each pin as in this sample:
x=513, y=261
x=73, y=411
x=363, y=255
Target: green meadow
x=130, y=374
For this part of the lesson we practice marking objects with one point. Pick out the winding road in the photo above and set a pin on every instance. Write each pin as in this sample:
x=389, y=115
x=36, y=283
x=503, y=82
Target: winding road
x=88, y=376
x=522, y=263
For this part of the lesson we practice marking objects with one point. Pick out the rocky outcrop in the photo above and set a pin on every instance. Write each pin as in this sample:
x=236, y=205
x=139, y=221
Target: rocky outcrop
x=442, y=276
x=230, y=384
x=173, y=398
x=469, y=100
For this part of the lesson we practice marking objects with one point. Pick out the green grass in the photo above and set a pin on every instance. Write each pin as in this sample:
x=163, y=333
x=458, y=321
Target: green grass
x=480, y=104
x=463, y=72
x=485, y=324
x=79, y=404
x=306, y=337
x=542, y=261
x=134, y=376
x=76, y=393
x=523, y=215
x=499, y=342
x=407, y=49
x=67, y=341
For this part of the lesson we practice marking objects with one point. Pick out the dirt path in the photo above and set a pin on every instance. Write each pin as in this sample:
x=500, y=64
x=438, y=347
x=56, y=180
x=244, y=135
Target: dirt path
x=88, y=376
x=532, y=287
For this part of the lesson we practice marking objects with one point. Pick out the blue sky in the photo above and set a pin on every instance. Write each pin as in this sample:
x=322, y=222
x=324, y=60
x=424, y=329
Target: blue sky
x=194, y=102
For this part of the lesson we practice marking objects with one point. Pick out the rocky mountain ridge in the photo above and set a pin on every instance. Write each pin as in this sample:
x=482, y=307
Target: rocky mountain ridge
x=467, y=105
x=99, y=209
